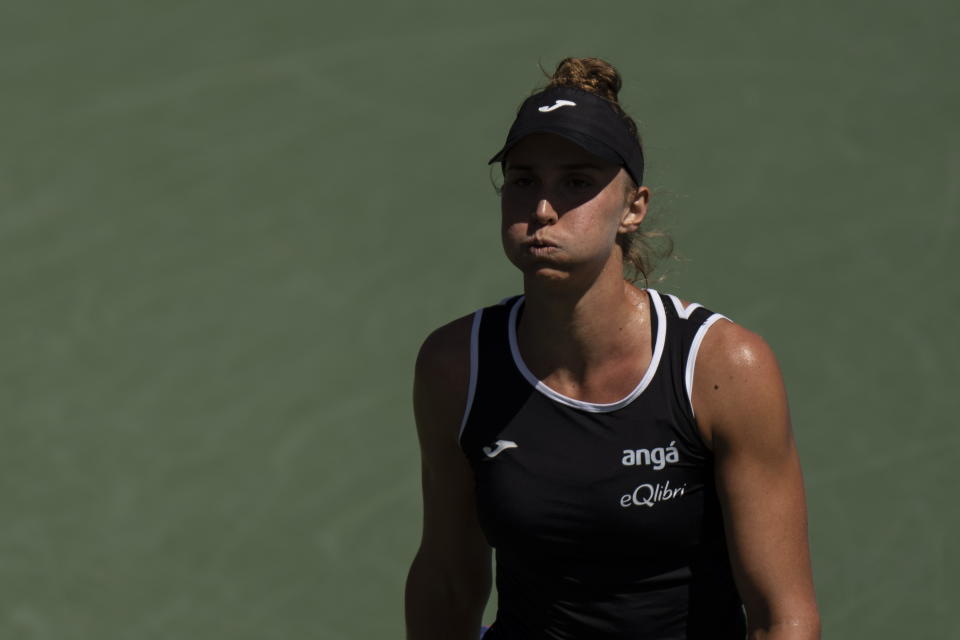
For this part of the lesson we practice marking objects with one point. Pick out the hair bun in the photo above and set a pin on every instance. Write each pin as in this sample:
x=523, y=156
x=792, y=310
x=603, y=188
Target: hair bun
x=588, y=74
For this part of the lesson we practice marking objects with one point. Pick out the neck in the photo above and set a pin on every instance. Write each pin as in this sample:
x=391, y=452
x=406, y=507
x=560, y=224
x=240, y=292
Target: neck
x=573, y=329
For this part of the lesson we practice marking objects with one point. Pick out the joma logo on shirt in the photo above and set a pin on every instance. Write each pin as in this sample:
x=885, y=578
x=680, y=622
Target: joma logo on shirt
x=658, y=458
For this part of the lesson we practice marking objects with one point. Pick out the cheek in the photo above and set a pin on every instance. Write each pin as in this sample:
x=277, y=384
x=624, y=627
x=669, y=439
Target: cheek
x=512, y=235
x=516, y=206
x=595, y=225
x=514, y=217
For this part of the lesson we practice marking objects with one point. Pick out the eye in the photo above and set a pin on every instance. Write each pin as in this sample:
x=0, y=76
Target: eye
x=522, y=181
x=578, y=182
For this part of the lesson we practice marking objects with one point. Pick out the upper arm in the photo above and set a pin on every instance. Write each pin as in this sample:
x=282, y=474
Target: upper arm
x=451, y=533
x=741, y=408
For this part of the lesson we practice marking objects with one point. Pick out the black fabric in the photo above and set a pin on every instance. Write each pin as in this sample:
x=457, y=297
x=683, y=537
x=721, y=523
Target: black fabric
x=574, y=557
x=583, y=118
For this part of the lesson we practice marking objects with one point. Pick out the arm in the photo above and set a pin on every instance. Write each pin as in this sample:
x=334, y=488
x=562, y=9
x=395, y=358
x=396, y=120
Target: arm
x=741, y=408
x=449, y=581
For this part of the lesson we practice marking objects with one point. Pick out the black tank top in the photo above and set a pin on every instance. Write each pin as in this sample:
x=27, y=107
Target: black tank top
x=604, y=517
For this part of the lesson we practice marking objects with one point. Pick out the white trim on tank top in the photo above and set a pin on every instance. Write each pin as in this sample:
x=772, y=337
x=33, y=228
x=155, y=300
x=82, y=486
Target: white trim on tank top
x=474, y=362
x=692, y=356
x=592, y=407
x=683, y=313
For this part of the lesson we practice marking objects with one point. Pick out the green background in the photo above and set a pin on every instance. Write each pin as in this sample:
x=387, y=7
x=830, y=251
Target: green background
x=226, y=226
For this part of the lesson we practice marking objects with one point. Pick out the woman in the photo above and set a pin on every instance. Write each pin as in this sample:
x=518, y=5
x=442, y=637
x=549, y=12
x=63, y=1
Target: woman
x=628, y=454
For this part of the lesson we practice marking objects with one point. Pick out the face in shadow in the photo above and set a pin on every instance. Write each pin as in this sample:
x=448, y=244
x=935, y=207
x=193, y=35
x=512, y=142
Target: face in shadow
x=562, y=207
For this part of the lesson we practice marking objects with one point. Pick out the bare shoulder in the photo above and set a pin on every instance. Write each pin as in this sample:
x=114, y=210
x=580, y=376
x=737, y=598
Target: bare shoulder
x=737, y=379
x=446, y=350
x=441, y=379
x=732, y=349
x=443, y=362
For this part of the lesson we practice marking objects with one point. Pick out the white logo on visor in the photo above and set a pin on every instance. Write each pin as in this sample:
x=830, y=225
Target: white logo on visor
x=556, y=105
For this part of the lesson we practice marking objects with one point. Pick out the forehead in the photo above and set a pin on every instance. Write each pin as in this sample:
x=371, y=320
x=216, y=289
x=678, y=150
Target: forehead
x=546, y=150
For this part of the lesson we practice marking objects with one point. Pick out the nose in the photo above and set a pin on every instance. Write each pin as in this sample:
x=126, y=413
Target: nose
x=545, y=213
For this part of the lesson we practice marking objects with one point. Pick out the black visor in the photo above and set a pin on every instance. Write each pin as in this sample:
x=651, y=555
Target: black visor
x=582, y=118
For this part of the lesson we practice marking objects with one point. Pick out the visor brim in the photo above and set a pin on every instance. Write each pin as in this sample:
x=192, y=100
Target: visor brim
x=586, y=142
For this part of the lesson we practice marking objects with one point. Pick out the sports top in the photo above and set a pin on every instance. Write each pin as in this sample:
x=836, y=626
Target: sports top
x=604, y=517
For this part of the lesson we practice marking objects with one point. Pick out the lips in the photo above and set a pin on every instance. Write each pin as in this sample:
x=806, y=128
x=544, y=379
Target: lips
x=540, y=243
x=540, y=247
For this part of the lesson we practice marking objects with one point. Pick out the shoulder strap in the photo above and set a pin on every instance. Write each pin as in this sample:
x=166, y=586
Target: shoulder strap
x=689, y=326
x=705, y=325
x=474, y=362
x=487, y=343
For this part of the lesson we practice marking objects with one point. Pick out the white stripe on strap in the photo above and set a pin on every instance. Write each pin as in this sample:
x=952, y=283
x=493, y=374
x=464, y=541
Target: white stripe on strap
x=692, y=357
x=474, y=362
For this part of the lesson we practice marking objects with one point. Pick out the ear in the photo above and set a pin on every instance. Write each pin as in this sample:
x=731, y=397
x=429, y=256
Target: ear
x=635, y=211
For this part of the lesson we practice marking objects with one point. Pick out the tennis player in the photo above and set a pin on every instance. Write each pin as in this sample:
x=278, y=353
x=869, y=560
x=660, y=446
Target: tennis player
x=628, y=454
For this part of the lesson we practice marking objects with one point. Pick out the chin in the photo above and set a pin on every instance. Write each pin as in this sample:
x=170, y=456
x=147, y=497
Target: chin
x=545, y=274
x=530, y=264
